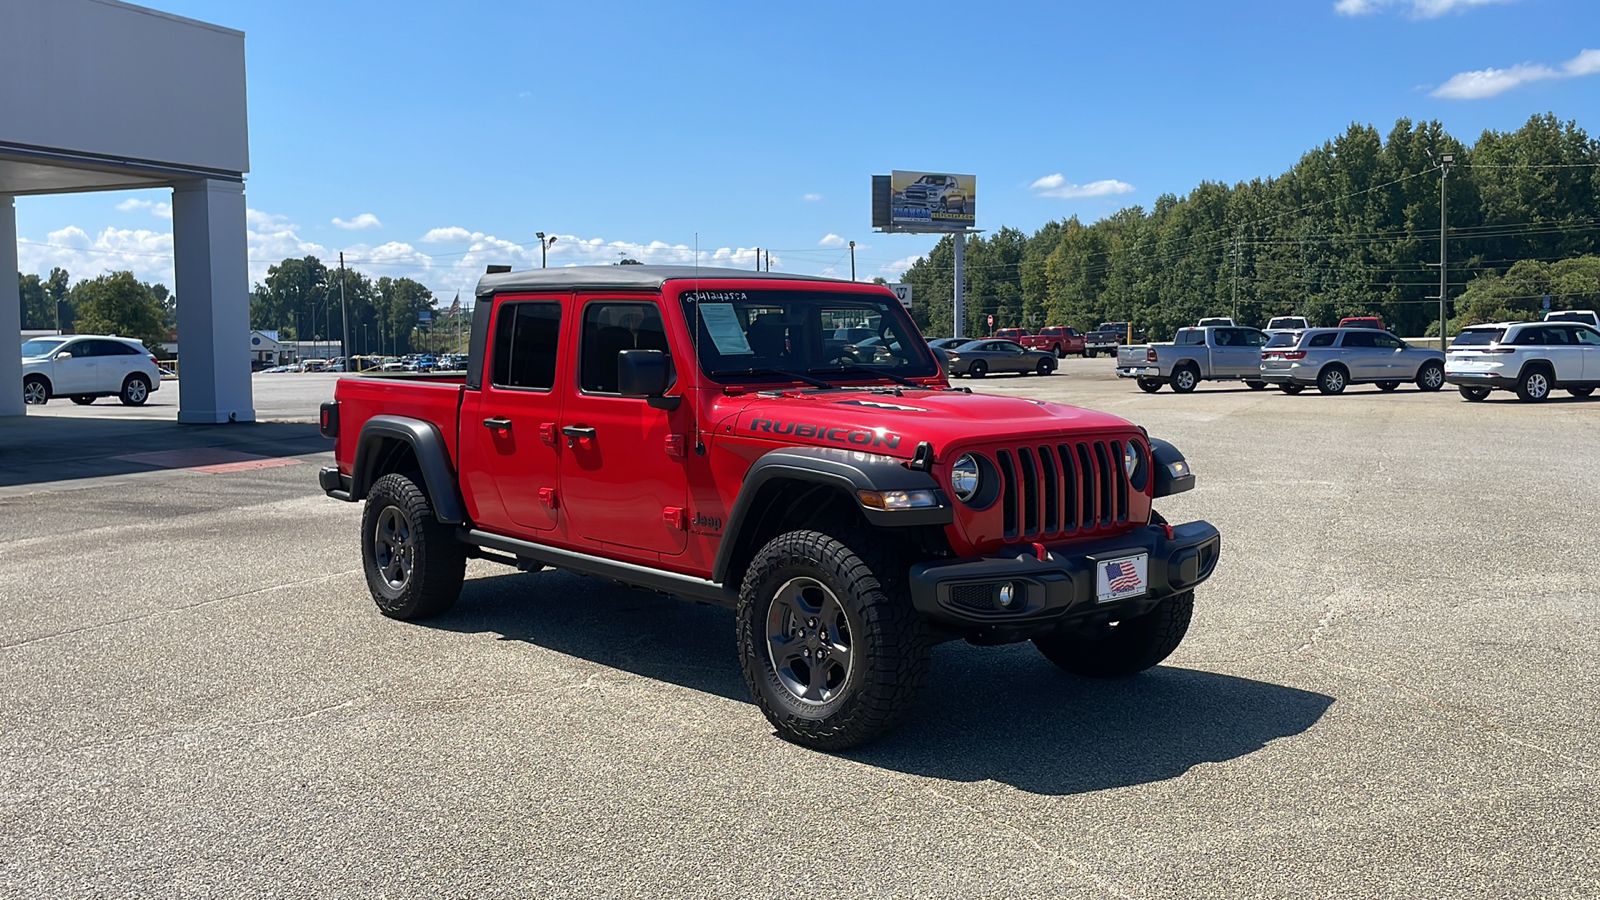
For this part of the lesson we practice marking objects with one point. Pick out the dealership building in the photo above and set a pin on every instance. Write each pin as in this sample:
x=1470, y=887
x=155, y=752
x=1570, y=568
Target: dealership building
x=99, y=95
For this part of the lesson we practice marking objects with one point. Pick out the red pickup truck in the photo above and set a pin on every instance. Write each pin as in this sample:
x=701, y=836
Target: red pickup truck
x=708, y=433
x=1057, y=339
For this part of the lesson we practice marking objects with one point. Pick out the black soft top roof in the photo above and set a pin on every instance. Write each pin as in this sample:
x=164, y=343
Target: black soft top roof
x=625, y=277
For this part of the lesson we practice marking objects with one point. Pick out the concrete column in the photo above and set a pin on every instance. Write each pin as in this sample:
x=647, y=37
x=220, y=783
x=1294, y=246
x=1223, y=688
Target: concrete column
x=10, y=313
x=208, y=237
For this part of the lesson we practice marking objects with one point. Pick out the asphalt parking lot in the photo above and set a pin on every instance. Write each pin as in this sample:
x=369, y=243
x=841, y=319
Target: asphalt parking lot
x=1391, y=687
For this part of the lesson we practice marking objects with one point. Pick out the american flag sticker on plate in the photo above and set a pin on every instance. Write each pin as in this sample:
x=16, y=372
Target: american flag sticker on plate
x=1117, y=579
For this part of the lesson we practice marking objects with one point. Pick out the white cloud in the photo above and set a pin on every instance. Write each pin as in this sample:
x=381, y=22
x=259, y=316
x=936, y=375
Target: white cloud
x=899, y=266
x=157, y=209
x=1417, y=9
x=365, y=220
x=1585, y=63
x=1489, y=82
x=1493, y=82
x=831, y=240
x=452, y=235
x=811, y=198
x=1058, y=186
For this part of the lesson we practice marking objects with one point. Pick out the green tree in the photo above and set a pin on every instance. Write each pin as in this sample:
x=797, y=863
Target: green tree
x=36, y=311
x=119, y=304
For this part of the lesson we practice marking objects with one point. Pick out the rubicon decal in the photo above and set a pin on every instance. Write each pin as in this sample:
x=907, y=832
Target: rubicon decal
x=859, y=437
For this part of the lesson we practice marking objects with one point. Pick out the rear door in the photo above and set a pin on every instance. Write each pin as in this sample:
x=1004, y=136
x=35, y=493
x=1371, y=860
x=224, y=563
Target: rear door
x=624, y=481
x=509, y=425
x=114, y=360
x=1554, y=343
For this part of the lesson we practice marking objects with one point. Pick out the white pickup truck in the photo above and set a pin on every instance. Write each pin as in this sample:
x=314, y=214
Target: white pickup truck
x=1198, y=354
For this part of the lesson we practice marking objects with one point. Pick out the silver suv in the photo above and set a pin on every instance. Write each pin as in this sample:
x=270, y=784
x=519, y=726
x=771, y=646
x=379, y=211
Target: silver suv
x=1531, y=358
x=1335, y=358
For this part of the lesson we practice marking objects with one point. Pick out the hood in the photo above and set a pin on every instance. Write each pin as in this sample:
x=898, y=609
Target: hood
x=886, y=423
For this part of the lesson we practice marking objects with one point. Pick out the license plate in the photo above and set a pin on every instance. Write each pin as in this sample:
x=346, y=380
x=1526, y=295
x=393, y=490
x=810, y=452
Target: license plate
x=1118, y=579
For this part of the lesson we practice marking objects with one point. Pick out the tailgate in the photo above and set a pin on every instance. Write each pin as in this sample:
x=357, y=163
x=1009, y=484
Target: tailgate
x=1132, y=356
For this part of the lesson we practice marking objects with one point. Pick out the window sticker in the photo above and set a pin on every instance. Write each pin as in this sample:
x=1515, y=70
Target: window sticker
x=722, y=324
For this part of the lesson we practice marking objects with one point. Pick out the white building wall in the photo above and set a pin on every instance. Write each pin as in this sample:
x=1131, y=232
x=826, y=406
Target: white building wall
x=114, y=79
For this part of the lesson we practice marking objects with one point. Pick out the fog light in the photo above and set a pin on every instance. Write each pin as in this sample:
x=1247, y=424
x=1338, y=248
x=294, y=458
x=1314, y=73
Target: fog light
x=1010, y=596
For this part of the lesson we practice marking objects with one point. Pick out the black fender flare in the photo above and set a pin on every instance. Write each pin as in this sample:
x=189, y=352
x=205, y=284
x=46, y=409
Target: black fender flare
x=848, y=470
x=427, y=444
x=1171, y=470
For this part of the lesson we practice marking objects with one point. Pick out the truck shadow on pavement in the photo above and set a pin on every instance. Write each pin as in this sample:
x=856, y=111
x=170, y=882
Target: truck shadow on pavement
x=987, y=713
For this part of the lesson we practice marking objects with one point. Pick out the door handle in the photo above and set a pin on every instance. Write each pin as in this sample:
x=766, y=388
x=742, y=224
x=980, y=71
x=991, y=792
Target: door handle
x=576, y=433
x=497, y=423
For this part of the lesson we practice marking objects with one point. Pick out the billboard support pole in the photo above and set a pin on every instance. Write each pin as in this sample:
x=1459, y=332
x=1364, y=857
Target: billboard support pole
x=960, y=278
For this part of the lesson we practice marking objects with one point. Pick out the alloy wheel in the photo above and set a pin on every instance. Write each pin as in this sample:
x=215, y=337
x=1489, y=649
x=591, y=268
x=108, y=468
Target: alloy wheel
x=393, y=547
x=809, y=641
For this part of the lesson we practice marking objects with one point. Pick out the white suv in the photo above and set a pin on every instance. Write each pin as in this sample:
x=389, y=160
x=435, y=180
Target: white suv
x=1531, y=358
x=83, y=367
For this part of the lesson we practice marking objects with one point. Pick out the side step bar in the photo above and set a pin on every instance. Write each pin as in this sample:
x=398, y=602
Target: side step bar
x=639, y=576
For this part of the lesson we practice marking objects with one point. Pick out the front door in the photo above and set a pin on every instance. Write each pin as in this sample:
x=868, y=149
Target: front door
x=1588, y=340
x=509, y=428
x=69, y=376
x=623, y=476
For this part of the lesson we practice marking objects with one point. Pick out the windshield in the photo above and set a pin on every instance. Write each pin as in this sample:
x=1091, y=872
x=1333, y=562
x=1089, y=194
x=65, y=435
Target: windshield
x=40, y=347
x=776, y=335
x=1479, y=337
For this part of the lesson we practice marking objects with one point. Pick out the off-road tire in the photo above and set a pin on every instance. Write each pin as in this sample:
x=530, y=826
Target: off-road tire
x=135, y=390
x=1291, y=388
x=888, y=646
x=1333, y=380
x=423, y=551
x=1430, y=377
x=1534, y=385
x=1580, y=392
x=1045, y=367
x=1474, y=394
x=35, y=390
x=1184, y=379
x=1150, y=385
x=1124, y=648
x=978, y=369
x=82, y=399
x=1387, y=386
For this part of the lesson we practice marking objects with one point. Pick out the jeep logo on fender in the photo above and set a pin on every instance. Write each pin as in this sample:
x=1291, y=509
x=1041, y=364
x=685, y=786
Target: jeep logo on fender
x=849, y=436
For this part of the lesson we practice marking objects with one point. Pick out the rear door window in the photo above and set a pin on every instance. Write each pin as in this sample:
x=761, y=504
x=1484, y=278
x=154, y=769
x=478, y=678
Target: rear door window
x=526, y=338
x=1360, y=339
x=1532, y=337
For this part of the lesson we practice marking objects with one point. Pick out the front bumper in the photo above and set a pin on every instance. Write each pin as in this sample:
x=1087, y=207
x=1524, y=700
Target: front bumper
x=1139, y=372
x=1062, y=587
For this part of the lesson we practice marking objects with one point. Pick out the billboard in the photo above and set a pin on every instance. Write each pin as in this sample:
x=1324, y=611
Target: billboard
x=931, y=201
x=903, y=291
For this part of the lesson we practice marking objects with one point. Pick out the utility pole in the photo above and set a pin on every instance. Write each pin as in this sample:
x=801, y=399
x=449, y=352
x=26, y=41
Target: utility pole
x=852, y=260
x=1444, y=258
x=344, y=313
x=769, y=260
x=1235, y=280
x=758, y=259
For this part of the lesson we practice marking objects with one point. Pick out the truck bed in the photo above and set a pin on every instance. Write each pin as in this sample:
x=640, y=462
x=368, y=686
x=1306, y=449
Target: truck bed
x=432, y=398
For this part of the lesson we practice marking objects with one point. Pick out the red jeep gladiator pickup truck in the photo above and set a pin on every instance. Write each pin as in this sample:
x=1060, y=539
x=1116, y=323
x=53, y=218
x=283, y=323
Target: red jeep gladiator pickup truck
x=706, y=433
x=1057, y=339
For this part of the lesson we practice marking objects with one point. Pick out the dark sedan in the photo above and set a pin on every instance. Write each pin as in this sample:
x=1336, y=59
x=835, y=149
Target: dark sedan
x=978, y=358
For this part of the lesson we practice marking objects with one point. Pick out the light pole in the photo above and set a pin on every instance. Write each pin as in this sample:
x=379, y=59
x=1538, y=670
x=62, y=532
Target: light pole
x=1444, y=277
x=852, y=260
x=544, y=246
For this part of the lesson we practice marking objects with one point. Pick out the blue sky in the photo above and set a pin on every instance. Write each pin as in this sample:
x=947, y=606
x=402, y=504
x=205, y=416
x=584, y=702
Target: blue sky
x=429, y=139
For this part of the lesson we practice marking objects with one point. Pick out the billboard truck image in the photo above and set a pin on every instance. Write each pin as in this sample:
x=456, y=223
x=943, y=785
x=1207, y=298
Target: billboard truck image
x=934, y=200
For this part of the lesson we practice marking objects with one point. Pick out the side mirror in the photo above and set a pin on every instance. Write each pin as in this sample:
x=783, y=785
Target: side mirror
x=63, y=355
x=643, y=373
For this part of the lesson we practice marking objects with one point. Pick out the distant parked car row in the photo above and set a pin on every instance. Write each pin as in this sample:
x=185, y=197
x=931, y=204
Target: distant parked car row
x=977, y=358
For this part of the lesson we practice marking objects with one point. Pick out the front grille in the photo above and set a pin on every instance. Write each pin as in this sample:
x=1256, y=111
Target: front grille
x=1051, y=490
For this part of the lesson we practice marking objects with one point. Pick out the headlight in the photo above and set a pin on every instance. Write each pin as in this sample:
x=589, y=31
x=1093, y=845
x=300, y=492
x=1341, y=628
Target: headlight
x=965, y=477
x=1130, y=459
